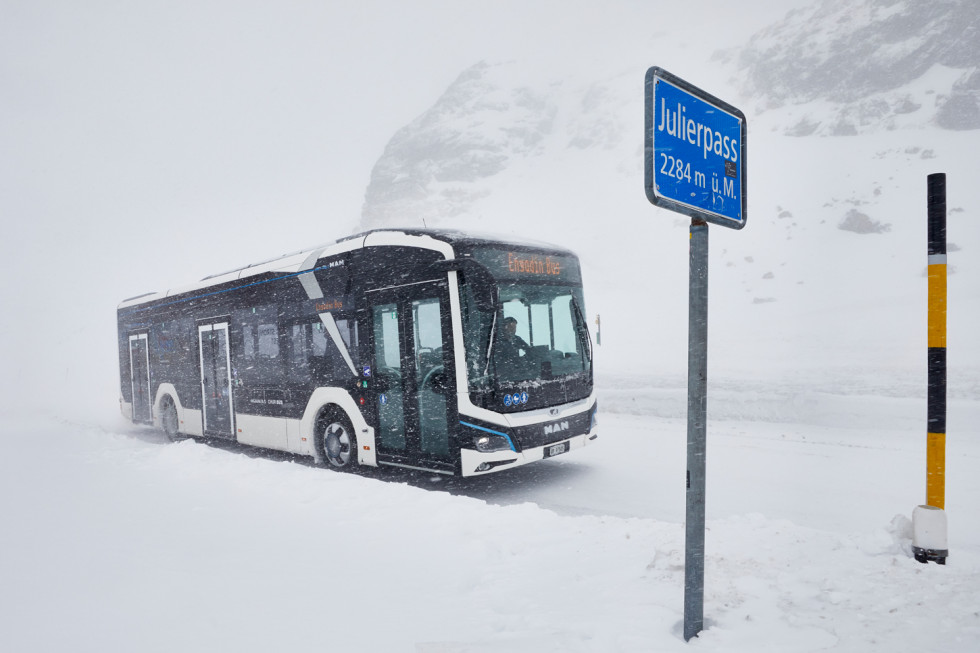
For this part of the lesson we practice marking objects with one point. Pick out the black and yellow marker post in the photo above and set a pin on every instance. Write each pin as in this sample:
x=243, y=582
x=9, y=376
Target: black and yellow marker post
x=929, y=521
x=936, y=443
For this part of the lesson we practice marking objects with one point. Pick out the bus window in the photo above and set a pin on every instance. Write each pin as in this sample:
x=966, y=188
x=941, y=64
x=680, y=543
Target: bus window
x=476, y=338
x=313, y=356
x=548, y=322
x=268, y=341
x=520, y=312
x=300, y=350
x=248, y=341
x=348, y=332
x=259, y=363
x=541, y=333
x=386, y=349
x=387, y=361
x=319, y=339
x=430, y=376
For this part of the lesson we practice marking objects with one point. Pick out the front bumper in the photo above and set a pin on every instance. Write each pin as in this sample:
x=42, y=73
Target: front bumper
x=478, y=463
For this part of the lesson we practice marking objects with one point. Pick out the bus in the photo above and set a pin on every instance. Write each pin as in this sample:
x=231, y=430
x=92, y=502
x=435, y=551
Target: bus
x=431, y=350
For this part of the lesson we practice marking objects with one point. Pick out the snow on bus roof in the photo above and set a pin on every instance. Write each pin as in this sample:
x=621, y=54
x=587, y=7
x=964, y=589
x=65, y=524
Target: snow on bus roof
x=299, y=261
x=442, y=240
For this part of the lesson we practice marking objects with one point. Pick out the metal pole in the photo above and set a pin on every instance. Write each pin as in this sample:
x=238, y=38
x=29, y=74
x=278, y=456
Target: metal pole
x=936, y=434
x=697, y=390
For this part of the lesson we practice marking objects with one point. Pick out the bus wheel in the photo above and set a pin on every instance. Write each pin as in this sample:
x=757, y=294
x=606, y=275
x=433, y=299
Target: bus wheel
x=168, y=419
x=337, y=442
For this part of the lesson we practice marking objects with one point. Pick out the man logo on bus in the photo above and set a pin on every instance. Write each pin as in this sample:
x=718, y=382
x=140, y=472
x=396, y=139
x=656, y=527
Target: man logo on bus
x=508, y=400
x=560, y=427
x=367, y=370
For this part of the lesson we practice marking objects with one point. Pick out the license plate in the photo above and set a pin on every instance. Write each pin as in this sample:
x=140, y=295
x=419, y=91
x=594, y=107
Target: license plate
x=556, y=449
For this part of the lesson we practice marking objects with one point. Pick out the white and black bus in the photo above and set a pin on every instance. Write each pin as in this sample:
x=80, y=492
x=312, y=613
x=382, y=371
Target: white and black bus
x=432, y=350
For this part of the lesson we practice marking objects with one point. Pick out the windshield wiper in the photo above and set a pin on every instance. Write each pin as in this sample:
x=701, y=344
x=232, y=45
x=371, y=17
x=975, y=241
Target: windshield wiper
x=584, y=326
x=493, y=328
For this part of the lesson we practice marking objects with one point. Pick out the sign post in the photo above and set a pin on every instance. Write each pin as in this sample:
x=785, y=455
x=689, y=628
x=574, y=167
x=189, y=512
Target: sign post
x=697, y=414
x=695, y=164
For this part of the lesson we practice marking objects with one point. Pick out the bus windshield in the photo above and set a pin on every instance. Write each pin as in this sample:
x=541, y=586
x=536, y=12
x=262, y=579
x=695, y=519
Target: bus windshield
x=537, y=334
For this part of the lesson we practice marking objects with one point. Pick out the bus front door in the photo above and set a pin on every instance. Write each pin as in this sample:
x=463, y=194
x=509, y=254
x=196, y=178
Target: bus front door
x=139, y=369
x=412, y=369
x=216, y=390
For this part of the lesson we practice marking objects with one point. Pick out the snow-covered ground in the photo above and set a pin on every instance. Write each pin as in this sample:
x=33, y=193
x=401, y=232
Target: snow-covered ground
x=115, y=539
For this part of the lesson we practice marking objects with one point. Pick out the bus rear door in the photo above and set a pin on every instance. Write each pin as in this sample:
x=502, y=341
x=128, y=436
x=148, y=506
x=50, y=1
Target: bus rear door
x=139, y=368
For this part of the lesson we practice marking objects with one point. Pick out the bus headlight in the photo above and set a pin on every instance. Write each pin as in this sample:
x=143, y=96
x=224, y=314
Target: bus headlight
x=489, y=443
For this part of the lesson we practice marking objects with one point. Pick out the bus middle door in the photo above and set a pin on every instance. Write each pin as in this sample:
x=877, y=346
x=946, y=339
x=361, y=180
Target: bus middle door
x=412, y=371
x=217, y=413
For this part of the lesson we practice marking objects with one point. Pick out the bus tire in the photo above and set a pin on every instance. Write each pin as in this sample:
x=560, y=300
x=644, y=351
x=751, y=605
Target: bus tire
x=168, y=419
x=336, y=440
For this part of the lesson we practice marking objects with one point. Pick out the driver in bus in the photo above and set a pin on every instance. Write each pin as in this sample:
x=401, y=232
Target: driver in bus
x=511, y=345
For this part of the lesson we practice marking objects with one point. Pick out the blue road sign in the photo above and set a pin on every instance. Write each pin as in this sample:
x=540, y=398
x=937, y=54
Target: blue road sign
x=695, y=151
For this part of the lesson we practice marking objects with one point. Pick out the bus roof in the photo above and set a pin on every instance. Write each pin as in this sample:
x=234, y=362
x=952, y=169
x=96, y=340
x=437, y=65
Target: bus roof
x=445, y=241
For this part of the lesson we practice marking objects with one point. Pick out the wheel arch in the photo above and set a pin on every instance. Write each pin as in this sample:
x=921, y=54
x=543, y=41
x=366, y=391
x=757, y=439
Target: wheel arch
x=324, y=400
x=163, y=391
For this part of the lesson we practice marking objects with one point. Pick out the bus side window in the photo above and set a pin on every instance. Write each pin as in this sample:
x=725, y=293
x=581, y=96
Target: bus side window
x=348, y=332
x=319, y=339
x=248, y=342
x=339, y=371
x=268, y=341
x=300, y=349
x=319, y=360
x=259, y=362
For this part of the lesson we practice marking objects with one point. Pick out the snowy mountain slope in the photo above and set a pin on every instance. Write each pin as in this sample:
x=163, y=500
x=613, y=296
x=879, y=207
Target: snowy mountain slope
x=471, y=133
x=866, y=59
